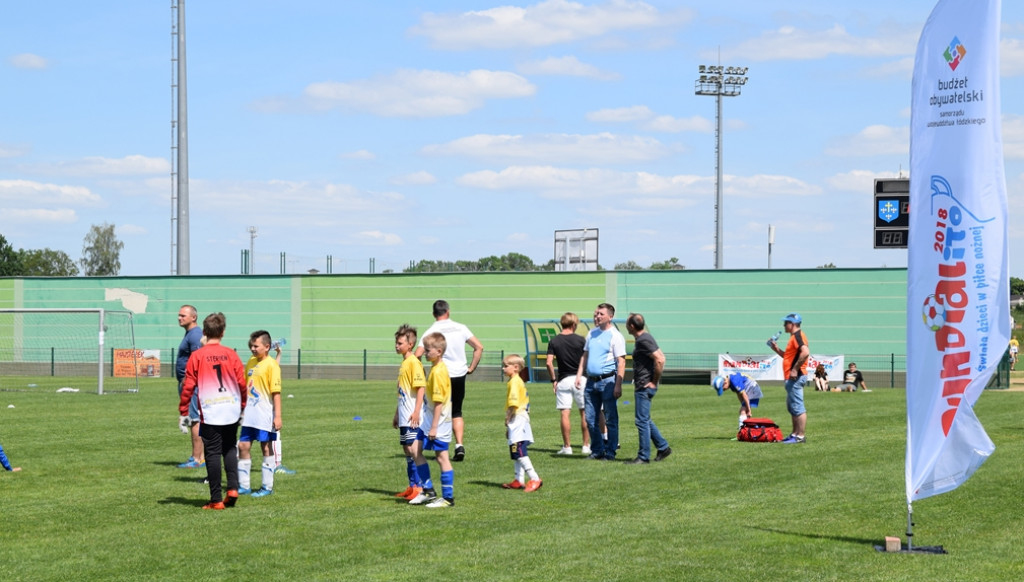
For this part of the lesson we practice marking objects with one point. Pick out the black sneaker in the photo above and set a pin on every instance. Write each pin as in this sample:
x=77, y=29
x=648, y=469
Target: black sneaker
x=663, y=453
x=460, y=453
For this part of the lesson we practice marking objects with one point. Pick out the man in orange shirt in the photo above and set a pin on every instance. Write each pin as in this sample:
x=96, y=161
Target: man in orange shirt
x=794, y=365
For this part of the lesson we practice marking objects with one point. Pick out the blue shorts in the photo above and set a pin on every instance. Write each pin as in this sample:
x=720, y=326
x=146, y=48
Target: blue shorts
x=193, y=405
x=430, y=444
x=253, y=434
x=518, y=451
x=406, y=435
x=754, y=402
x=795, y=396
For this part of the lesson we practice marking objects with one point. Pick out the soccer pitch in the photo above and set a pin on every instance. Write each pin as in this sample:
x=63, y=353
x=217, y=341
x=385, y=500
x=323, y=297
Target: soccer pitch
x=100, y=498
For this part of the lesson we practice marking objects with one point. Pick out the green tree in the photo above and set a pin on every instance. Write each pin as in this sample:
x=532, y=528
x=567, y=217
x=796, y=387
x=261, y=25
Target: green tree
x=827, y=266
x=1016, y=286
x=101, y=252
x=10, y=260
x=628, y=266
x=668, y=265
x=48, y=263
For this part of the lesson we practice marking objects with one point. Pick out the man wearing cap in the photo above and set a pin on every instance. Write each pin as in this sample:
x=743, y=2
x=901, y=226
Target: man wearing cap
x=794, y=365
x=603, y=366
x=746, y=389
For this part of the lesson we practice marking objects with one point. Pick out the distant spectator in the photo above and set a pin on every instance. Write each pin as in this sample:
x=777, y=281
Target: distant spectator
x=820, y=378
x=1014, y=348
x=853, y=379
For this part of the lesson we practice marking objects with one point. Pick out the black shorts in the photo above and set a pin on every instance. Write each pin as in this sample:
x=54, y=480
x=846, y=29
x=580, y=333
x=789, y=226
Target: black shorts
x=458, y=395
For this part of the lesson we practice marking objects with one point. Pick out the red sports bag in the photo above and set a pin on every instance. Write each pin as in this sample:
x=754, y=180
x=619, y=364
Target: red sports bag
x=759, y=430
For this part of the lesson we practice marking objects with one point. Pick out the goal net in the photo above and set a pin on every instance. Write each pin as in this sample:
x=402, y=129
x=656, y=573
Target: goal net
x=68, y=349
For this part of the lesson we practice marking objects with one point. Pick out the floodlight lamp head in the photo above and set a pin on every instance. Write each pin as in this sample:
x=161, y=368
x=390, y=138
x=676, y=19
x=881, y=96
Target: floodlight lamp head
x=702, y=69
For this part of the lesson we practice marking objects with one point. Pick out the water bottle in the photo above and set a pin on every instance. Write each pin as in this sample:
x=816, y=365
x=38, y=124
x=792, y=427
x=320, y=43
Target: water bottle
x=775, y=338
x=279, y=343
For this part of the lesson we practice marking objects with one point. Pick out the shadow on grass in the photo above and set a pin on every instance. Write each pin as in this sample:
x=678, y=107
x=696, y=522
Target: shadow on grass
x=166, y=463
x=849, y=539
x=490, y=484
x=190, y=479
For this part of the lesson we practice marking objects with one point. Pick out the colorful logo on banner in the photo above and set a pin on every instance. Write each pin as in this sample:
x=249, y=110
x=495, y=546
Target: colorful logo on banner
x=954, y=53
x=888, y=210
x=959, y=239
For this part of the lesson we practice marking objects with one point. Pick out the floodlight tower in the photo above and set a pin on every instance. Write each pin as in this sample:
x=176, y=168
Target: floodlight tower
x=179, y=144
x=252, y=249
x=719, y=82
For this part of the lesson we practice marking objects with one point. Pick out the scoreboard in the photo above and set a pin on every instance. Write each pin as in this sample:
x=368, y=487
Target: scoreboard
x=892, y=212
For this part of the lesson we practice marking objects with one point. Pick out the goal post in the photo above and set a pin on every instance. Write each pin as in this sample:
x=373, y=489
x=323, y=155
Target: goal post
x=68, y=349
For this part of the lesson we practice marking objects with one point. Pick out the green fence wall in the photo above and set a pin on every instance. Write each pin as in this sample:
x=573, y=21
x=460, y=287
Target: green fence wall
x=851, y=311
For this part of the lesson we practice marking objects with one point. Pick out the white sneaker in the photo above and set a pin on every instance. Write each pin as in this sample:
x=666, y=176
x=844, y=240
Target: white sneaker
x=564, y=451
x=421, y=499
x=586, y=450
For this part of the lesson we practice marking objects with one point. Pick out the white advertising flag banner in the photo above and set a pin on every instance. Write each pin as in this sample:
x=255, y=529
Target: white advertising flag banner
x=957, y=286
x=770, y=367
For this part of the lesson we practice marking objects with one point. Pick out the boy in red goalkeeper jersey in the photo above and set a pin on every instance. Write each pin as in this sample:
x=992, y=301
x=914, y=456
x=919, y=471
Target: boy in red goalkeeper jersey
x=217, y=375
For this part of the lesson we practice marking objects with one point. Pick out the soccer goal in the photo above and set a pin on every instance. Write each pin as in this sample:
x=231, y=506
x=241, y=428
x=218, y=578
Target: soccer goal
x=68, y=350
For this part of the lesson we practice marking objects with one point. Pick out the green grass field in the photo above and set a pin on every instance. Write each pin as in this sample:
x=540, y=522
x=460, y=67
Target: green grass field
x=100, y=497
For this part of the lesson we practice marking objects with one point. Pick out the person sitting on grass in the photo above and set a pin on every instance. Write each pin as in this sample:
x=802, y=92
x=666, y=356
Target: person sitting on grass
x=853, y=379
x=517, y=425
x=821, y=378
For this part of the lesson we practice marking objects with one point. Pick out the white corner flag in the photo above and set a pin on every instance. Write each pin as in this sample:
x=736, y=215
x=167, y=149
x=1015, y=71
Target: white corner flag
x=957, y=286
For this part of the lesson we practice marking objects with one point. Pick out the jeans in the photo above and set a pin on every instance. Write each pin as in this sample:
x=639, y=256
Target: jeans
x=602, y=393
x=646, y=427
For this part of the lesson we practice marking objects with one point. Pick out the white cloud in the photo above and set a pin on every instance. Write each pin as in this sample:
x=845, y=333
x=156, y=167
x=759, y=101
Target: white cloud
x=568, y=66
x=648, y=120
x=542, y=24
x=1011, y=55
x=36, y=215
x=791, y=43
x=28, y=61
x=13, y=151
x=767, y=186
x=376, y=237
x=601, y=148
x=127, y=166
x=862, y=181
x=409, y=93
x=13, y=191
x=358, y=155
x=871, y=141
x=415, y=179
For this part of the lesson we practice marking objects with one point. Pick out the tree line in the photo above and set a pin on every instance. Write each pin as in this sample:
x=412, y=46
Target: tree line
x=101, y=257
x=518, y=262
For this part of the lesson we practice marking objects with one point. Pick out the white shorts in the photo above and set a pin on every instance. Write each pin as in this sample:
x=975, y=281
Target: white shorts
x=519, y=430
x=566, y=394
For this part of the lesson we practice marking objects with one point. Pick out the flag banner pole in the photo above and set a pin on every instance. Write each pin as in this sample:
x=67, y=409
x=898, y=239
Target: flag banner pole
x=957, y=280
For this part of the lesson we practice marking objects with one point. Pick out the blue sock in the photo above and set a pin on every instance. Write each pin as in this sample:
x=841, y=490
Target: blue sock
x=424, y=472
x=410, y=469
x=448, y=484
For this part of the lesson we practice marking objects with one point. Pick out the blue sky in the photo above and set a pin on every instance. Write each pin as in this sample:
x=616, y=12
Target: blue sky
x=402, y=131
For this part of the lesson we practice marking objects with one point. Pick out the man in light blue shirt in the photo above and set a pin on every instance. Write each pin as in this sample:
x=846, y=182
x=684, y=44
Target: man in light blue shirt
x=603, y=366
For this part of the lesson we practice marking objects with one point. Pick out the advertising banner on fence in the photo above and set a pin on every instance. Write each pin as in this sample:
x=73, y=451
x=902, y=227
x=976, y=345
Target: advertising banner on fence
x=128, y=363
x=770, y=367
x=957, y=286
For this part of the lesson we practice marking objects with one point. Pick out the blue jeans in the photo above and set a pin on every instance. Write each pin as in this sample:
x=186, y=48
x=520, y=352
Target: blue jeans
x=646, y=427
x=602, y=393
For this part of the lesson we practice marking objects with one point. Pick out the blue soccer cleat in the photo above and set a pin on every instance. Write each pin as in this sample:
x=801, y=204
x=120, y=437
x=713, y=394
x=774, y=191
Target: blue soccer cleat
x=262, y=492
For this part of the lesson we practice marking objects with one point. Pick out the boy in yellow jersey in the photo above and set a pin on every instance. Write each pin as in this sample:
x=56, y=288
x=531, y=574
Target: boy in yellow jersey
x=435, y=431
x=517, y=425
x=262, y=417
x=411, y=384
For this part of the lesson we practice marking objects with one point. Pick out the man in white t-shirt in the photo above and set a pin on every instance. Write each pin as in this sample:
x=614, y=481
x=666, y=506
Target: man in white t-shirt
x=457, y=336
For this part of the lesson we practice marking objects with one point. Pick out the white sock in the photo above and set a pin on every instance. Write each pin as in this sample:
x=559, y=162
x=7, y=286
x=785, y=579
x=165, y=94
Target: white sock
x=268, y=475
x=527, y=464
x=742, y=418
x=244, y=466
x=519, y=471
x=277, y=450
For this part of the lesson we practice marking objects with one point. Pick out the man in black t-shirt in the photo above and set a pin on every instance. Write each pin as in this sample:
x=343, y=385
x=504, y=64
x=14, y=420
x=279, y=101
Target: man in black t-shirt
x=567, y=348
x=852, y=379
x=648, y=363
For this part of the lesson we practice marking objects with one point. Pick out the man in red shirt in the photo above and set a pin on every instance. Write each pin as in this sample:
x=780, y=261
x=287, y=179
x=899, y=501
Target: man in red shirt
x=216, y=374
x=794, y=366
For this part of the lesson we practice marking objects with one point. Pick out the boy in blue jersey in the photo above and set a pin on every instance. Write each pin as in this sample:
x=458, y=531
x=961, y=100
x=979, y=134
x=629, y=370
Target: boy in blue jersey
x=411, y=385
x=517, y=425
x=435, y=431
x=746, y=389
